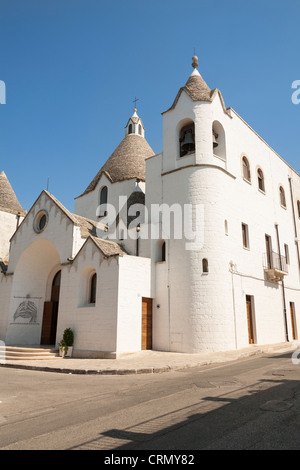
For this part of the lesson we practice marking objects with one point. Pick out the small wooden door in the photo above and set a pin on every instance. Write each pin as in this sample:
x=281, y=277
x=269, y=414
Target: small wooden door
x=293, y=320
x=250, y=319
x=48, y=335
x=146, y=323
x=49, y=322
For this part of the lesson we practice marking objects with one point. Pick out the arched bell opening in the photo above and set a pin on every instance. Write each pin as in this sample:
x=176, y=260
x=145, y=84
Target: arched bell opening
x=218, y=140
x=187, y=139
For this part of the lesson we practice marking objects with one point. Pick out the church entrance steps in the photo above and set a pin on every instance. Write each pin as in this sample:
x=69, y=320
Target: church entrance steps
x=16, y=353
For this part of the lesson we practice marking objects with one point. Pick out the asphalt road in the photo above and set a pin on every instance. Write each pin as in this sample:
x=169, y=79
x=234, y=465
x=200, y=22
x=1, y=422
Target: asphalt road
x=247, y=404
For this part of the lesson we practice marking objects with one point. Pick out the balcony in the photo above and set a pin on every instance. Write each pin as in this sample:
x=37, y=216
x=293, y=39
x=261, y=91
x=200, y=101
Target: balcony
x=275, y=266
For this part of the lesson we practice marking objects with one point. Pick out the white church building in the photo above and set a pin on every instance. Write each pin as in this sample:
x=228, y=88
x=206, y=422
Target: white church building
x=195, y=249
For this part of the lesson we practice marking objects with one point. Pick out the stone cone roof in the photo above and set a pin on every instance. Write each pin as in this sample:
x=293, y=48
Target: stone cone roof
x=126, y=162
x=8, y=199
x=196, y=88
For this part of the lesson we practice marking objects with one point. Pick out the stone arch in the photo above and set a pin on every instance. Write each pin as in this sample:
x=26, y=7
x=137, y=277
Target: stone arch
x=219, y=140
x=31, y=280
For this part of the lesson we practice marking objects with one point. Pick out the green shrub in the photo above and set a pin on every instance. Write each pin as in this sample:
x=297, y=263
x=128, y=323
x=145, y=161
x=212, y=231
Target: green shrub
x=68, y=337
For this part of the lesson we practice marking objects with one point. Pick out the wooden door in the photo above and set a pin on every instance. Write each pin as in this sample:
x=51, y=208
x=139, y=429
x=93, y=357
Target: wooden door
x=48, y=335
x=49, y=325
x=249, y=319
x=47, y=322
x=146, y=323
x=293, y=320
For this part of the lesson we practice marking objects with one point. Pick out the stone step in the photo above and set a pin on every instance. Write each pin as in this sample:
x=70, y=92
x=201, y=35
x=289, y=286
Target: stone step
x=17, y=353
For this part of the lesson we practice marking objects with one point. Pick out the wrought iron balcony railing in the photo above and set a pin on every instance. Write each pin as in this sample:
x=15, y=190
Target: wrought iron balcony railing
x=275, y=266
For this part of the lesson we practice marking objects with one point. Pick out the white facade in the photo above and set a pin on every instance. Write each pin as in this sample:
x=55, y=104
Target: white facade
x=220, y=295
x=207, y=311
x=9, y=224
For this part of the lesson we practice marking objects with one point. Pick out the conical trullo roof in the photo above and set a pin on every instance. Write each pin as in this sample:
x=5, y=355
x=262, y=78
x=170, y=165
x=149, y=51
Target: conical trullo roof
x=8, y=199
x=196, y=88
x=126, y=162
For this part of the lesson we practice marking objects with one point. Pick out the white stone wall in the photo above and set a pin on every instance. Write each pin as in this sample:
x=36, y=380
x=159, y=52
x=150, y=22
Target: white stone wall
x=94, y=325
x=8, y=223
x=59, y=231
x=134, y=284
x=5, y=292
x=118, y=193
x=87, y=205
x=113, y=324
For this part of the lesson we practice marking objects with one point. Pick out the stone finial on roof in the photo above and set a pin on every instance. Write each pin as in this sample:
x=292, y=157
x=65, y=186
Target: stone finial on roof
x=8, y=199
x=196, y=88
x=195, y=62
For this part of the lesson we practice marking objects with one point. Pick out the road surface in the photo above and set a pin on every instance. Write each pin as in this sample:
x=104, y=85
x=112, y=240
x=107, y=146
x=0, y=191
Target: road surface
x=252, y=403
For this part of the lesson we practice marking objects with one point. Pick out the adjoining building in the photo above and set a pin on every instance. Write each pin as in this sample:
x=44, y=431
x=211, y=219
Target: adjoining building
x=195, y=249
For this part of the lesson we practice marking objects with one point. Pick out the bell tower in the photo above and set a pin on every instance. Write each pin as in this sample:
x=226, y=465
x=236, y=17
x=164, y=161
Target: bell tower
x=187, y=124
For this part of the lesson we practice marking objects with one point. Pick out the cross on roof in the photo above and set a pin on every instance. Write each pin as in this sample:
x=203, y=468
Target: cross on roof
x=135, y=100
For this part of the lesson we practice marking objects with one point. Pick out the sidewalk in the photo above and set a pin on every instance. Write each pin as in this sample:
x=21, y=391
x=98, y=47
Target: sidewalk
x=147, y=361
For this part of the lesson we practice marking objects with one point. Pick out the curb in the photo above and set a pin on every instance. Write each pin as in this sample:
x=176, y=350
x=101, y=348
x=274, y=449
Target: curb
x=158, y=370
x=148, y=370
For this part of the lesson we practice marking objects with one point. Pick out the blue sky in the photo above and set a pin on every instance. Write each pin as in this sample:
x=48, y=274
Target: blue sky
x=73, y=67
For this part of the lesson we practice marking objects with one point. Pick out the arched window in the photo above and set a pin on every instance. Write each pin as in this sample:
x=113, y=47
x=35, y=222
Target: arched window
x=261, y=180
x=187, y=139
x=246, y=169
x=130, y=129
x=282, y=196
x=140, y=129
x=205, y=265
x=103, y=201
x=93, y=289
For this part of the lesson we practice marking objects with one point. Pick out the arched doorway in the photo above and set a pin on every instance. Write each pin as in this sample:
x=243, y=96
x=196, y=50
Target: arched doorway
x=34, y=272
x=48, y=335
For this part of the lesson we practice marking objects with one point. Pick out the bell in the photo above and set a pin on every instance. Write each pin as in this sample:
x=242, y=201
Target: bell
x=215, y=143
x=188, y=143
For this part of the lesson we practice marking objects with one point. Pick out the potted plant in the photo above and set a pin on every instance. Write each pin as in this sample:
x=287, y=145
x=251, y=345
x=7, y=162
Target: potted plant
x=66, y=344
x=63, y=348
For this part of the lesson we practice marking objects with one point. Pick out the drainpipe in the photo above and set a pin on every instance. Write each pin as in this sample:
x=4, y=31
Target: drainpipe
x=18, y=220
x=169, y=293
x=283, y=288
x=138, y=228
x=295, y=224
